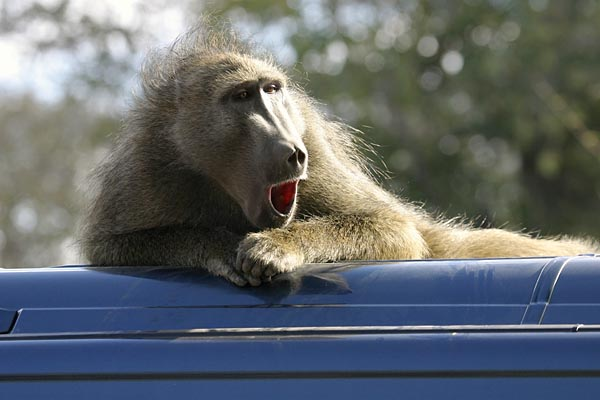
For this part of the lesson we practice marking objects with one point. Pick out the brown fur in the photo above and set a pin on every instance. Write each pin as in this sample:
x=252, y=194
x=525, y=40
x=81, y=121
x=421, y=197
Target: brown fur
x=186, y=182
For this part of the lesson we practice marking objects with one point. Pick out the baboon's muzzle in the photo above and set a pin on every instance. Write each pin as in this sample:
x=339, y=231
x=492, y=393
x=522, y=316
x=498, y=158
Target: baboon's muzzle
x=282, y=160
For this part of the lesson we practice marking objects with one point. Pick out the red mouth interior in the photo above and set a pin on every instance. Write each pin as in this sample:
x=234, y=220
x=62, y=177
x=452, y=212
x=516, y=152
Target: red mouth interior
x=282, y=196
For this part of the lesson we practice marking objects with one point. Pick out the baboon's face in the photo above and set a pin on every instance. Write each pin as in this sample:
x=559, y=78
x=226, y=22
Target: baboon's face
x=238, y=124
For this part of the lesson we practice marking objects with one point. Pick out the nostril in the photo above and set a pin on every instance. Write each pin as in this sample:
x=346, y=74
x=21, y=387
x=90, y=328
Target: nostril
x=297, y=157
x=301, y=156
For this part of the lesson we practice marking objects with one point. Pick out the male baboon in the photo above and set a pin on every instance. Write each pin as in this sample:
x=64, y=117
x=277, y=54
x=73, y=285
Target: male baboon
x=225, y=164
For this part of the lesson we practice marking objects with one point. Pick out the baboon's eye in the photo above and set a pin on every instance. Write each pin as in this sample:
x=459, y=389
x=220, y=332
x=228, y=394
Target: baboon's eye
x=272, y=87
x=241, y=95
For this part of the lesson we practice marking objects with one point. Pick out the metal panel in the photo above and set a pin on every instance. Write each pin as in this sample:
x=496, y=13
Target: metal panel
x=7, y=318
x=491, y=365
x=576, y=293
x=443, y=292
x=154, y=319
x=505, y=281
x=328, y=331
x=75, y=299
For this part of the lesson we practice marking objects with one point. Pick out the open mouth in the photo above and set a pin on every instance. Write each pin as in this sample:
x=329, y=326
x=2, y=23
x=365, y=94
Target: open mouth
x=283, y=196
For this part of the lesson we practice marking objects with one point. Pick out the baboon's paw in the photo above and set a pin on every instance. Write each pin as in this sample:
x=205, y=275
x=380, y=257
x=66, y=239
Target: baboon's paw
x=259, y=258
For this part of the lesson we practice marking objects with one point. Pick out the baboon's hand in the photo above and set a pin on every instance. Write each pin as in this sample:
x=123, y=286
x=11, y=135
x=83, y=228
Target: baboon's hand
x=260, y=257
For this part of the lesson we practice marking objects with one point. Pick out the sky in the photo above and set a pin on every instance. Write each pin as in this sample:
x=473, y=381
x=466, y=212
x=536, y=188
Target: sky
x=23, y=69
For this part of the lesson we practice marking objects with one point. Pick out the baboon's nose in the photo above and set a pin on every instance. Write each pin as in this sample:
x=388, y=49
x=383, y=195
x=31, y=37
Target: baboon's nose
x=293, y=156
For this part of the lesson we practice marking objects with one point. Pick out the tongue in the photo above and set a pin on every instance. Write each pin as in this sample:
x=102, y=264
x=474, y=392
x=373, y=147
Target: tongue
x=282, y=196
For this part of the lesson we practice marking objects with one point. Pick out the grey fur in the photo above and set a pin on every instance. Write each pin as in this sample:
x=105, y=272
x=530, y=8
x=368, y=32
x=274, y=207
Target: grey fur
x=187, y=181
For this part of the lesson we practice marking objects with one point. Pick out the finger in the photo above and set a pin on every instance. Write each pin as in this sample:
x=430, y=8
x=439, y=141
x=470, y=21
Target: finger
x=253, y=281
x=247, y=265
x=269, y=272
x=239, y=260
x=237, y=279
x=257, y=270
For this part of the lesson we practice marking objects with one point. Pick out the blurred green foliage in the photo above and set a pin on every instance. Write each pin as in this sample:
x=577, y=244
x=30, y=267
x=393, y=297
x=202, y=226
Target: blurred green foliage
x=488, y=109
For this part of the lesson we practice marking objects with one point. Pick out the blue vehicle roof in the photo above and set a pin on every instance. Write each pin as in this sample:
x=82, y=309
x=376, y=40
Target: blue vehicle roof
x=468, y=329
x=484, y=292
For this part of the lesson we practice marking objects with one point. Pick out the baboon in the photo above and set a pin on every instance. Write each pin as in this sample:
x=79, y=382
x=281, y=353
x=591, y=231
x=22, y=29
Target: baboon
x=225, y=164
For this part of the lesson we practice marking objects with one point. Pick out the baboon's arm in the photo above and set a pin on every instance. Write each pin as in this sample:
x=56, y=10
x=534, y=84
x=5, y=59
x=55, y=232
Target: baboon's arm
x=461, y=242
x=329, y=238
x=384, y=236
x=212, y=249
